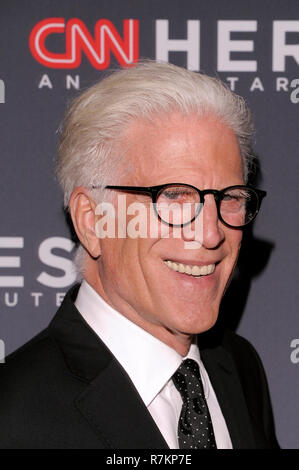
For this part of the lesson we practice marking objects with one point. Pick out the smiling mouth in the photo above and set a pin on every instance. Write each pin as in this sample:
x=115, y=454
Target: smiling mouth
x=195, y=271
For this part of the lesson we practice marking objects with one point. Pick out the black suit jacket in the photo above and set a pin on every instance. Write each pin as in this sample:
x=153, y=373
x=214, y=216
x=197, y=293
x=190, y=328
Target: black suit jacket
x=65, y=390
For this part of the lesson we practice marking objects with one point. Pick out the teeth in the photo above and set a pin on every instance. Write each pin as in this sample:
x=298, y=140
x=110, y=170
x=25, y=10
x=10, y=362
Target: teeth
x=181, y=268
x=188, y=269
x=195, y=271
x=191, y=270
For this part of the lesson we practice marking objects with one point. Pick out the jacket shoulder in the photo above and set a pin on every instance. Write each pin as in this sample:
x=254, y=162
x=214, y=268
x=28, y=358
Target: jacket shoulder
x=246, y=359
x=30, y=353
x=253, y=381
x=32, y=367
x=42, y=353
x=239, y=347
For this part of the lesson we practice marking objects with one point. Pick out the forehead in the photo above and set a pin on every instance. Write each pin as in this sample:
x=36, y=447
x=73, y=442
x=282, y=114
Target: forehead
x=173, y=147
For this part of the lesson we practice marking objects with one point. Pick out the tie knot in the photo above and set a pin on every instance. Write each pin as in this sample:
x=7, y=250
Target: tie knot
x=187, y=380
x=189, y=367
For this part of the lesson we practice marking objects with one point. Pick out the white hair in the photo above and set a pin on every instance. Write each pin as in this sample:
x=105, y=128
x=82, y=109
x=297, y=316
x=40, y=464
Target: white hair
x=96, y=120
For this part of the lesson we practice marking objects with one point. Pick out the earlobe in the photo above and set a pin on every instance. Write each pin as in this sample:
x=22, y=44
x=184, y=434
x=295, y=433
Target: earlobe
x=82, y=209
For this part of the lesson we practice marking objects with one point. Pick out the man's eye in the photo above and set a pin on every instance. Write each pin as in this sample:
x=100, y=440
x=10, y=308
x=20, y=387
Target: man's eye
x=230, y=197
x=176, y=194
x=234, y=197
x=172, y=194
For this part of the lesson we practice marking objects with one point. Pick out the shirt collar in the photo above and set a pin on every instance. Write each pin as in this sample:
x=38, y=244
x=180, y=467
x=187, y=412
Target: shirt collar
x=150, y=364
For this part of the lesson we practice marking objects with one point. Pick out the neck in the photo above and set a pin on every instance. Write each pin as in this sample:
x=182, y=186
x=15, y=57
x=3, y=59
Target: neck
x=176, y=340
x=180, y=343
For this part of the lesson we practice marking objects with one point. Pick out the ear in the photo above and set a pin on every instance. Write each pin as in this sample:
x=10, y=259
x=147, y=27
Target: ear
x=82, y=209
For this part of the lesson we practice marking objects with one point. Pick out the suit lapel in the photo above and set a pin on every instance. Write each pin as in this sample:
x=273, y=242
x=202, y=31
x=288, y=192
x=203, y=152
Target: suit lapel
x=116, y=412
x=224, y=378
x=109, y=402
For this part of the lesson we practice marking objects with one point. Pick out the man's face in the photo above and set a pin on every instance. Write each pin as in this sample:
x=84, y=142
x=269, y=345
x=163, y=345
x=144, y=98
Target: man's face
x=134, y=277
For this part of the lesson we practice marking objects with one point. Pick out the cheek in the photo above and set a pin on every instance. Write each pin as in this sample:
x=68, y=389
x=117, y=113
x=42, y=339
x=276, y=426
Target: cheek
x=234, y=248
x=112, y=260
x=238, y=241
x=120, y=261
x=233, y=238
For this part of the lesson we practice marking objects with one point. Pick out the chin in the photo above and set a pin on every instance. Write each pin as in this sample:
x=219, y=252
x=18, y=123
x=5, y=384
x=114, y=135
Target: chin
x=198, y=323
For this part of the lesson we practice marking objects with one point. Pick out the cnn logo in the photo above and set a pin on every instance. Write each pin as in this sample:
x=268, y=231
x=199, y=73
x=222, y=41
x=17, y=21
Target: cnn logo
x=78, y=40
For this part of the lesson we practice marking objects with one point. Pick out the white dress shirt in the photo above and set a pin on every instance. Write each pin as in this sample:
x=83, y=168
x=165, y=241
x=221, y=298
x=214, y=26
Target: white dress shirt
x=150, y=364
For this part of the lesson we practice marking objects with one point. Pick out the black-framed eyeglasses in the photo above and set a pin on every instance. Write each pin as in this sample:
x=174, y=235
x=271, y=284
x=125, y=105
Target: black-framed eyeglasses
x=237, y=206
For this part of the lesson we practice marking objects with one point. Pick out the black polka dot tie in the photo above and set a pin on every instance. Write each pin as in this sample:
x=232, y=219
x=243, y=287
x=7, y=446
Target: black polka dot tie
x=195, y=429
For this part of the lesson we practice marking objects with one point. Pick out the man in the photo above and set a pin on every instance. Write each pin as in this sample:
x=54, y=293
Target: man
x=133, y=358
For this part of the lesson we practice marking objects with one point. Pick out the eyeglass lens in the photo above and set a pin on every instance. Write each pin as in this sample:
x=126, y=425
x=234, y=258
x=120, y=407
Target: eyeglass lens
x=179, y=204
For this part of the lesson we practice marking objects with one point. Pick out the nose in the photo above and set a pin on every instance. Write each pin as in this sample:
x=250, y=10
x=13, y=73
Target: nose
x=212, y=231
x=206, y=230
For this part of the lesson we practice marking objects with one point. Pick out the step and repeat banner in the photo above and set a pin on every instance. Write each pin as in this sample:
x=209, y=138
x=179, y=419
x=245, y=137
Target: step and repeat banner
x=50, y=50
